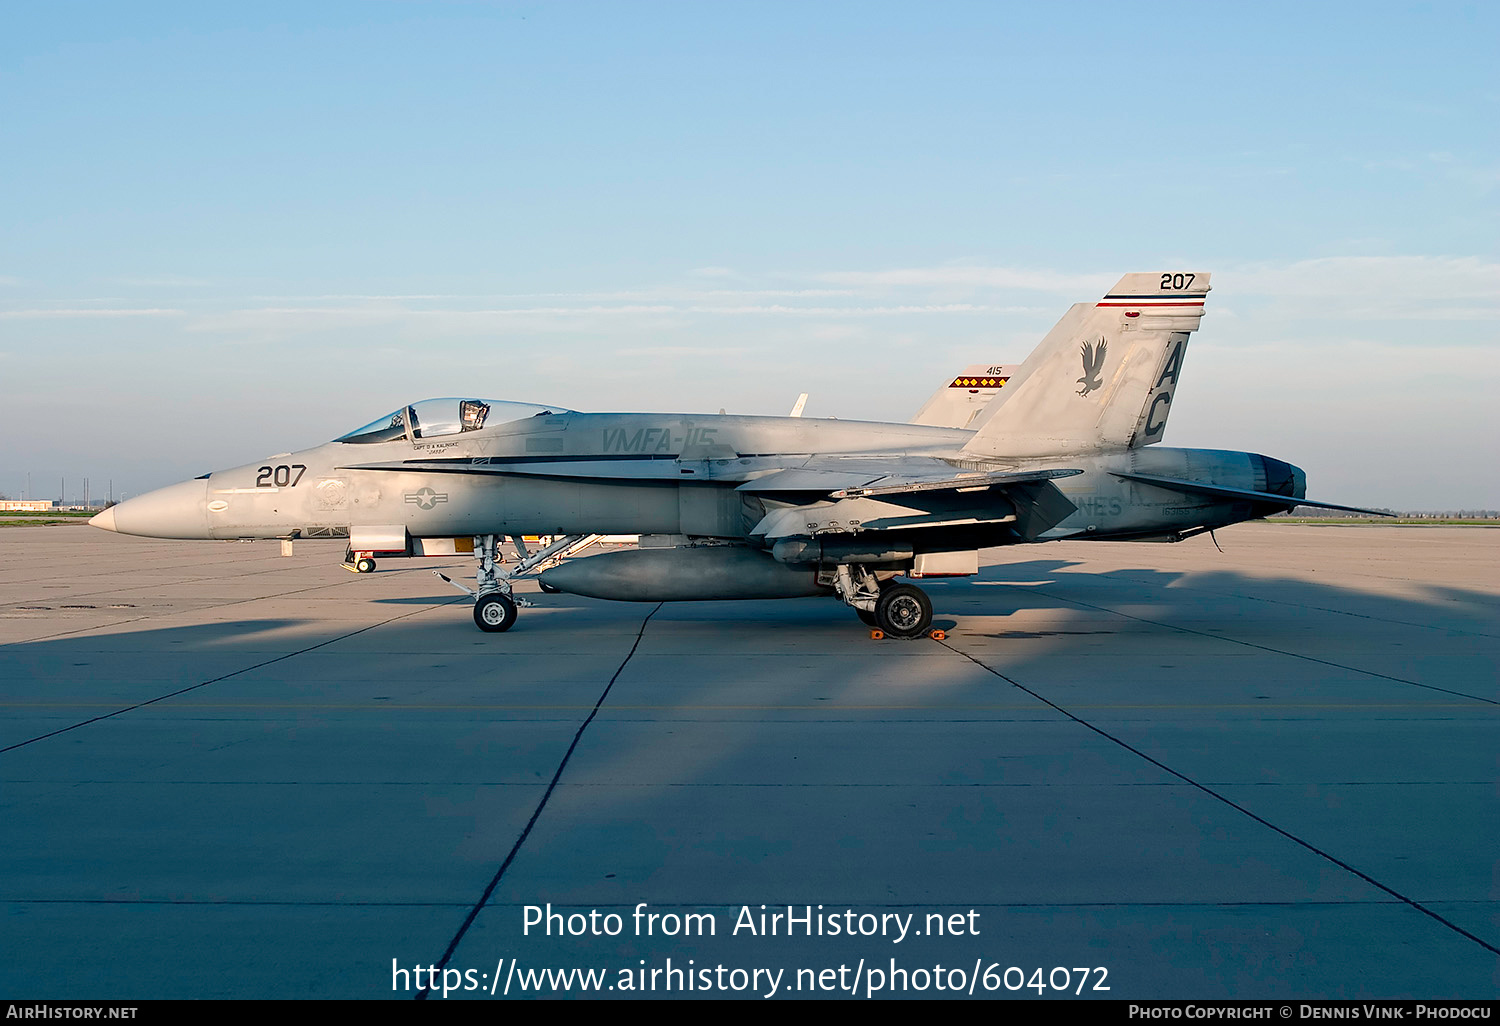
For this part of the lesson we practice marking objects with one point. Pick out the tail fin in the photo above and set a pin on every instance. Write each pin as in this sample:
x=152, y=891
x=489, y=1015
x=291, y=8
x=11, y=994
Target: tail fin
x=1129, y=348
x=960, y=401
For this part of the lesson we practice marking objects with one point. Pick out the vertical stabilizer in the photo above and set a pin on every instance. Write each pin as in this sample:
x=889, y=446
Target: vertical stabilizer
x=961, y=399
x=1103, y=378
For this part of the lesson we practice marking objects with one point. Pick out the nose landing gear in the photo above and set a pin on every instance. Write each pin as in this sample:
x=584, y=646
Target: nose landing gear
x=495, y=612
x=495, y=605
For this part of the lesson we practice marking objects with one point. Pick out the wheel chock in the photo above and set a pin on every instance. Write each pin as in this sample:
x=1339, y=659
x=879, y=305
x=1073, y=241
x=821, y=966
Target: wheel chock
x=938, y=635
x=877, y=635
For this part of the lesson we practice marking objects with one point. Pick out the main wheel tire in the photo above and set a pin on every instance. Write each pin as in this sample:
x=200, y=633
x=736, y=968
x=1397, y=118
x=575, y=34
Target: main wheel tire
x=495, y=613
x=867, y=618
x=366, y=565
x=904, y=611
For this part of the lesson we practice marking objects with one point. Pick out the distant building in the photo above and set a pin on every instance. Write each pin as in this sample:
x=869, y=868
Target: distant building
x=30, y=505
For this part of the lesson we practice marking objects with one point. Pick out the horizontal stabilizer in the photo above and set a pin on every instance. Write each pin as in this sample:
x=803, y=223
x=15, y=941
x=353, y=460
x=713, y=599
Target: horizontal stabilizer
x=1219, y=491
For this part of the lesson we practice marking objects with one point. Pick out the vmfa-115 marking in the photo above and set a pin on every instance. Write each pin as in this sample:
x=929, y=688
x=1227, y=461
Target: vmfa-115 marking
x=736, y=507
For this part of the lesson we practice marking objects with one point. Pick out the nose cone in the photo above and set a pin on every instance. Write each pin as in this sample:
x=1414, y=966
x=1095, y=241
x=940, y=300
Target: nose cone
x=176, y=511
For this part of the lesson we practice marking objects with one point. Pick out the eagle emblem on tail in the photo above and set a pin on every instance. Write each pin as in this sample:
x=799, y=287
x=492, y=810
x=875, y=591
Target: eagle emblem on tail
x=1093, y=363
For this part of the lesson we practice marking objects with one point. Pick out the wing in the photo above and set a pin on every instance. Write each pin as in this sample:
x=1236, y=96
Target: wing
x=842, y=477
x=897, y=495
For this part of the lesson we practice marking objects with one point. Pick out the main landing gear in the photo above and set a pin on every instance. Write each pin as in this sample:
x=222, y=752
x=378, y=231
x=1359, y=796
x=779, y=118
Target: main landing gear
x=903, y=611
x=900, y=610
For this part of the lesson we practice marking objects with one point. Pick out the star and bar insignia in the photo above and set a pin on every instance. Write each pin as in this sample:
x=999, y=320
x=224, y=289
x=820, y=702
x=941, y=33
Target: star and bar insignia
x=426, y=498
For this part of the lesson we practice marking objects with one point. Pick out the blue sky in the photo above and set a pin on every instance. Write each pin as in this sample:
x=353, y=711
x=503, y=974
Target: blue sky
x=228, y=231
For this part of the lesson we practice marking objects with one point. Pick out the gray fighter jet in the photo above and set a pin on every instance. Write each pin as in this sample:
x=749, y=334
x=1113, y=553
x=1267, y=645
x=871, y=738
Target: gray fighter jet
x=735, y=507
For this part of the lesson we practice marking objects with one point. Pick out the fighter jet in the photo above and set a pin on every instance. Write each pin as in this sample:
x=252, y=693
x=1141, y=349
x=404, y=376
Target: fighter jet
x=742, y=507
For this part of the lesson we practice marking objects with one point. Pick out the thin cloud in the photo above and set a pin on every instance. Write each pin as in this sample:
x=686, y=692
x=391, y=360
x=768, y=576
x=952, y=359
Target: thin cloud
x=170, y=281
x=715, y=351
x=1440, y=288
x=1434, y=277
x=861, y=311
x=621, y=295
x=64, y=314
x=966, y=275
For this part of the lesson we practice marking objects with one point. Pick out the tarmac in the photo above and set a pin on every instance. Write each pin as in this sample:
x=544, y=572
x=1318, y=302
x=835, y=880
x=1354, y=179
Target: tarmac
x=1271, y=772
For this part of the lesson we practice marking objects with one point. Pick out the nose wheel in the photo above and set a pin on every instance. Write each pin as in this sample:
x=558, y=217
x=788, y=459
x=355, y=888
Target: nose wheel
x=495, y=612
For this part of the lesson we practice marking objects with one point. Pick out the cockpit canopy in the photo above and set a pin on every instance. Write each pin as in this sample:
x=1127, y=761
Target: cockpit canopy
x=432, y=418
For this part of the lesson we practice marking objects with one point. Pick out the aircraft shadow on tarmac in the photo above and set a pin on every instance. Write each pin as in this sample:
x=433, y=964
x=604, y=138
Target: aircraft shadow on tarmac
x=1155, y=768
